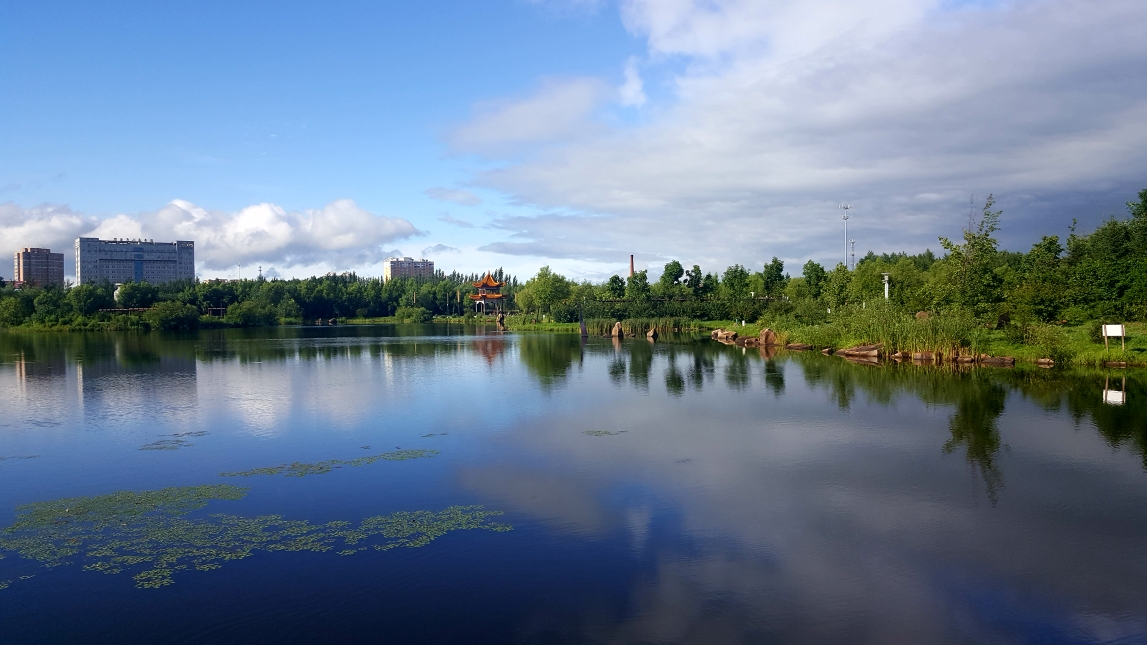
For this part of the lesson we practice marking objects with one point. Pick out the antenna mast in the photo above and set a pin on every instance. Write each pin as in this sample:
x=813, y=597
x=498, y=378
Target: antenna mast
x=844, y=217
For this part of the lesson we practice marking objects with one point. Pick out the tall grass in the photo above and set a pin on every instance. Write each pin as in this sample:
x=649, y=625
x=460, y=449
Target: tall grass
x=880, y=323
x=641, y=326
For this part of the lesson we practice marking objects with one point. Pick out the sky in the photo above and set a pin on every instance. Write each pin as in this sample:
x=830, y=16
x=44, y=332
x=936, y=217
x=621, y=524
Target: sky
x=301, y=138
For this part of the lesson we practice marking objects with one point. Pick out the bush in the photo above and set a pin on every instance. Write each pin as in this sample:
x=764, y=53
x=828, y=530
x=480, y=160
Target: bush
x=250, y=314
x=413, y=315
x=12, y=311
x=170, y=316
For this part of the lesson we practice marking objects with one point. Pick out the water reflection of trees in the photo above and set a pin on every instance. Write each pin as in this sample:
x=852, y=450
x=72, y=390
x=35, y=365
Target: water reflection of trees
x=973, y=426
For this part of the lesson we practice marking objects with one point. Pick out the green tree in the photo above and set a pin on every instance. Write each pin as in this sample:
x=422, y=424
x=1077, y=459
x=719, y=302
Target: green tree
x=735, y=282
x=972, y=265
x=615, y=287
x=671, y=276
x=694, y=280
x=13, y=311
x=544, y=290
x=814, y=277
x=136, y=295
x=87, y=299
x=774, y=277
x=637, y=286
x=170, y=316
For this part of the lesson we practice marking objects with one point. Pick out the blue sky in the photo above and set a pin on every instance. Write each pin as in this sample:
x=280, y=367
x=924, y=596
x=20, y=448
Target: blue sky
x=314, y=137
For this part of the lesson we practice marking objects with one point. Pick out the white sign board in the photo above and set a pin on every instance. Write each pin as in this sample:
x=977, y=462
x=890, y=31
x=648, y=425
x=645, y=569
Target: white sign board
x=1112, y=331
x=1113, y=397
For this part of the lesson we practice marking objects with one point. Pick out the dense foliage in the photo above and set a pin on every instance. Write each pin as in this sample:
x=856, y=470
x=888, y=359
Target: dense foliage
x=184, y=305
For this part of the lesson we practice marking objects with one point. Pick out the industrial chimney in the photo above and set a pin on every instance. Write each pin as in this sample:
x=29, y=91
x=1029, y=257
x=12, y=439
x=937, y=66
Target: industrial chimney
x=631, y=266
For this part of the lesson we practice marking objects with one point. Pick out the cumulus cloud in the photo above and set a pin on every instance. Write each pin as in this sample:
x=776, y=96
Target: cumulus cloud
x=632, y=91
x=559, y=109
x=904, y=107
x=450, y=219
x=438, y=249
x=461, y=197
x=341, y=235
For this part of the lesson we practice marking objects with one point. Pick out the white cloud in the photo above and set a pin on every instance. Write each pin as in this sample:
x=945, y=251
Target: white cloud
x=340, y=236
x=450, y=219
x=786, y=109
x=460, y=197
x=632, y=91
x=559, y=109
x=438, y=249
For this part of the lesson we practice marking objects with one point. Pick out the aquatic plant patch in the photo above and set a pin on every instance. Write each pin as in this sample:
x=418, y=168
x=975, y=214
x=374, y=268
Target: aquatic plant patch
x=603, y=433
x=301, y=469
x=18, y=457
x=132, y=530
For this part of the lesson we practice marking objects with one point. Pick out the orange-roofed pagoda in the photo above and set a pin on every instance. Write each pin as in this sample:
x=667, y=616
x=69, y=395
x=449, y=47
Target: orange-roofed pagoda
x=489, y=290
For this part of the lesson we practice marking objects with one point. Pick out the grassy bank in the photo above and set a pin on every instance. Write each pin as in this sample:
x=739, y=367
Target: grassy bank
x=1076, y=345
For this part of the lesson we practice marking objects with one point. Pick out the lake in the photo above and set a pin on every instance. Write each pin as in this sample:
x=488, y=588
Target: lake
x=435, y=484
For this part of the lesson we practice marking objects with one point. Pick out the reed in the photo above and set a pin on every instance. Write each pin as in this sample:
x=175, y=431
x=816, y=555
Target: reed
x=641, y=326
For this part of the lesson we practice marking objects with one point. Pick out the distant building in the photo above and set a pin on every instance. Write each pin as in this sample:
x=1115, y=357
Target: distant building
x=407, y=268
x=133, y=260
x=40, y=267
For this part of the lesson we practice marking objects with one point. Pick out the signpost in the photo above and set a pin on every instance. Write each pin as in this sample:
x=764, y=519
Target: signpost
x=1111, y=331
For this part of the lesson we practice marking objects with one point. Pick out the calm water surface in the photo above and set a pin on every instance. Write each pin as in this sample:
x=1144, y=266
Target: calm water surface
x=432, y=484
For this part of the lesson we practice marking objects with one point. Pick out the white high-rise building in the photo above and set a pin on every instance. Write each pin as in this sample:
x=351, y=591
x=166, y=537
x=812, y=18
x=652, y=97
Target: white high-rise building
x=133, y=260
x=407, y=268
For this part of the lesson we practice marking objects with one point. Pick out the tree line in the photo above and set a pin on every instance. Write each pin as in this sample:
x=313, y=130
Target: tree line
x=1084, y=277
x=1098, y=275
x=186, y=304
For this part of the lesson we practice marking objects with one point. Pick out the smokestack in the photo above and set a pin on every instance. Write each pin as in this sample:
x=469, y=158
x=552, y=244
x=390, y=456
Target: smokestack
x=631, y=266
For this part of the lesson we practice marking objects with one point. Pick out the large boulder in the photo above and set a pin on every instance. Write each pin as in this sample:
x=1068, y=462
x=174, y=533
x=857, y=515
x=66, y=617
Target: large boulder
x=617, y=332
x=768, y=337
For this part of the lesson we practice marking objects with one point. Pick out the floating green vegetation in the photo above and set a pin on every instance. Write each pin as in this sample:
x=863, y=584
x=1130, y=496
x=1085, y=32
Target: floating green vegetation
x=17, y=457
x=603, y=433
x=166, y=444
x=436, y=434
x=126, y=530
x=300, y=469
x=196, y=433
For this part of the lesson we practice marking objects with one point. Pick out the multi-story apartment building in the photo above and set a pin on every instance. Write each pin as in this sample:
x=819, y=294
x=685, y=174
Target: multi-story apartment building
x=133, y=260
x=40, y=267
x=407, y=268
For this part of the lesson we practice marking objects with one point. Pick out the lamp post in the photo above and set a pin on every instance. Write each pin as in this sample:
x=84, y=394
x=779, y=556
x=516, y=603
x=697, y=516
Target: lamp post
x=885, y=285
x=844, y=217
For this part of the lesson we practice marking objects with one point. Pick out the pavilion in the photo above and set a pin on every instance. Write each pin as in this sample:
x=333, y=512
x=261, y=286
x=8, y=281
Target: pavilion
x=489, y=290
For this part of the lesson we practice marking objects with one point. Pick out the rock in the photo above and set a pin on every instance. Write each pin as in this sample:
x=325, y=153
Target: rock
x=768, y=337
x=1115, y=364
x=925, y=357
x=923, y=315
x=748, y=341
x=827, y=351
x=997, y=361
x=862, y=360
x=863, y=351
x=618, y=332
x=651, y=334
x=716, y=332
x=964, y=360
x=900, y=356
x=798, y=347
x=501, y=318
x=333, y=321
x=1044, y=362
x=1003, y=321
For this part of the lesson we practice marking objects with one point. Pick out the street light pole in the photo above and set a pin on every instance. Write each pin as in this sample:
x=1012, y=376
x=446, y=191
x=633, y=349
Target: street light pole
x=844, y=217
